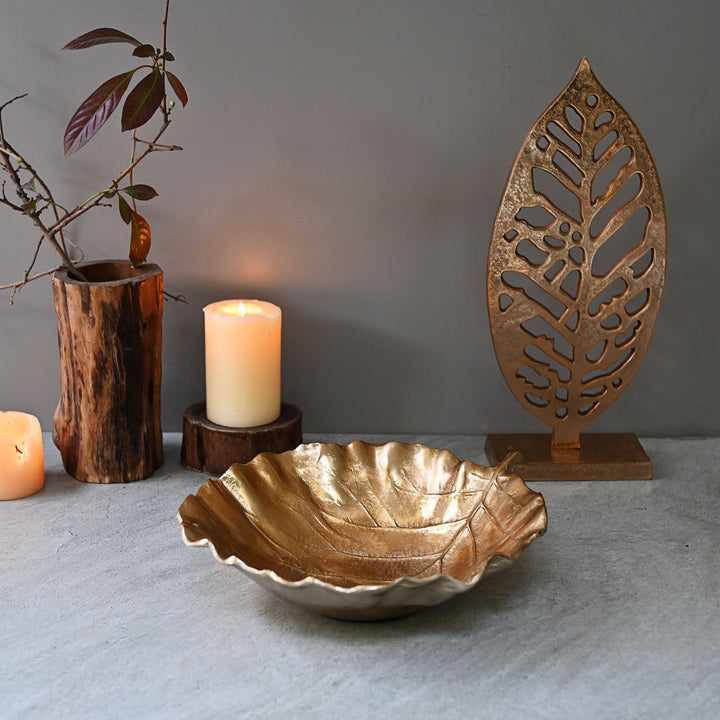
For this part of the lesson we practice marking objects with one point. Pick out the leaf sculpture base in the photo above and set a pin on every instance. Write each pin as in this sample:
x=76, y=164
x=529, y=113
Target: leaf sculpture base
x=211, y=448
x=602, y=456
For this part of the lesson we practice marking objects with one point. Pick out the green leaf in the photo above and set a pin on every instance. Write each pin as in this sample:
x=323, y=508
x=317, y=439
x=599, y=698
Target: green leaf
x=101, y=36
x=95, y=111
x=125, y=210
x=144, y=51
x=30, y=207
x=177, y=87
x=143, y=101
x=140, y=192
x=139, y=239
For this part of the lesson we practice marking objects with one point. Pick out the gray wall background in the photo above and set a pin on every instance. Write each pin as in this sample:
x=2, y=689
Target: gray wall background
x=345, y=160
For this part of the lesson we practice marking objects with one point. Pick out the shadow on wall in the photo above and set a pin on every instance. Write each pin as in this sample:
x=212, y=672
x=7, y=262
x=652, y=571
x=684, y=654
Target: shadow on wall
x=342, y=375
x=347, y=376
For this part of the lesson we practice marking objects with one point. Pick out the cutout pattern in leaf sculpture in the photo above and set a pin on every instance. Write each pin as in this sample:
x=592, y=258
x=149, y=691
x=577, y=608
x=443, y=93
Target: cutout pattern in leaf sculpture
x=577, y=259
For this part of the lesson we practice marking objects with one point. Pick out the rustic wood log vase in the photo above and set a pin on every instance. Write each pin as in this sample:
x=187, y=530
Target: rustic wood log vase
x=107, y=423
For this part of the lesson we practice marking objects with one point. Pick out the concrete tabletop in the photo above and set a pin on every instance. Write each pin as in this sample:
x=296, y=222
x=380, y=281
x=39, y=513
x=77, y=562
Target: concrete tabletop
x=614, y=613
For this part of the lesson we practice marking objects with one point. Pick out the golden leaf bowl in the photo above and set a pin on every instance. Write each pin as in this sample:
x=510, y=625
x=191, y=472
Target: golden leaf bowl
x=362, y=531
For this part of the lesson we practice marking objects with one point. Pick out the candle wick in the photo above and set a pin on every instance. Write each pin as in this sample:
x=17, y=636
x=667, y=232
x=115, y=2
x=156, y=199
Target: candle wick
x=19, y=451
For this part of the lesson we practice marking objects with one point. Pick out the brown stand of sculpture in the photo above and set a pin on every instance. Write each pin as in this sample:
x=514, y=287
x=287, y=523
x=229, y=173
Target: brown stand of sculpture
x=107, y=423
x=576, y=268
x=601, y=456
x=211, y=448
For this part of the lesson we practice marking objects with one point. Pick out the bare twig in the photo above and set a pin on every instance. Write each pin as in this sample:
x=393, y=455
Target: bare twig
x=21, y=283
x=6, y=159
x=6, y=201
x=12, y=100
x=34, y=258
x=48, y=197
x=177, y=298
x=28, y=270
x=163, y=50
x=48, y=233
x=133, y=150
x=158, y=146
x=11, y=155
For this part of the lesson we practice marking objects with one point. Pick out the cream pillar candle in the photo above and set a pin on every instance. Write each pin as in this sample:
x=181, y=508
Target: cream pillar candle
x=242, y=362
x=22, y=464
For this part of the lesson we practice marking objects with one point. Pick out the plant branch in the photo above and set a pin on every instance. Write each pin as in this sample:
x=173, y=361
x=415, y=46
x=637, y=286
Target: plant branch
x=6, y=201
x=48, y=233
x=12, y=100
x=11, y=155
x=34, y=258
x=112, y=187
x=34, y=196
x=48, y=195
x=133, y=152
x=26, y=276
x=177, y=298
x=163, y=50
x=20, y=283
x=159, y=146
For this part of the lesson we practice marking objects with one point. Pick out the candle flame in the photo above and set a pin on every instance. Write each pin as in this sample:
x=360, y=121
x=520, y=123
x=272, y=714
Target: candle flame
x=240, y=308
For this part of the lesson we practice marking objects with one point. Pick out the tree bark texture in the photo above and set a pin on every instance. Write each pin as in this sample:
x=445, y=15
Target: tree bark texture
x=107, y=423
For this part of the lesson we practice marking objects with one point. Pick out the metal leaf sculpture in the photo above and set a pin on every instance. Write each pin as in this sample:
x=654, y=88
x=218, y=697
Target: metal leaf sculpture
x=577, y=259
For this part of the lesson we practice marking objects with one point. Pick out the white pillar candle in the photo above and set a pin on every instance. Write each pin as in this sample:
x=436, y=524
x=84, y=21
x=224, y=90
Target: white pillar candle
x=22, y=463
x=242, y=362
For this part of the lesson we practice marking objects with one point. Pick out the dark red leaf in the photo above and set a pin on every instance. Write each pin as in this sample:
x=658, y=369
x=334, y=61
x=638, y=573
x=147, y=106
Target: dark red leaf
x=125, y=210
x=139, y=239
x=144, y=51
x=101, y=36
x=143, y=101
x=94, y=112
x=140, y=192
x=177, y=87
x=167, y=55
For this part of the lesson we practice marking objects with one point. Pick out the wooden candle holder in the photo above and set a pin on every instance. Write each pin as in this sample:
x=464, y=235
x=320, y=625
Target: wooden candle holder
x=211, y=448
